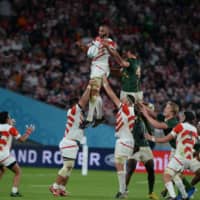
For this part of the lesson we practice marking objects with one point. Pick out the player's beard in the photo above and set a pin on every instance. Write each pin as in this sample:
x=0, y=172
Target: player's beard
x=104, y=36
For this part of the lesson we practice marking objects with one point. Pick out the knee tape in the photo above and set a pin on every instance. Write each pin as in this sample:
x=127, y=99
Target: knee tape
x=67, y=168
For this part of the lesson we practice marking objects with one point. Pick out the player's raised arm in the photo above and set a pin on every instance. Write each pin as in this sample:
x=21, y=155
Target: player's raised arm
x=82, y=46
x=110, y=92
x=152, y=121
x=146, y=106
x=29, y=130
x=15, y=133
x=164, y=139
x=115, y=54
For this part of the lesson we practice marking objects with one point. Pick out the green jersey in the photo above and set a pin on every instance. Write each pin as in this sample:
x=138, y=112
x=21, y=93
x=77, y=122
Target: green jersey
x=171, y=123
x=131, y=76
x=138, y=133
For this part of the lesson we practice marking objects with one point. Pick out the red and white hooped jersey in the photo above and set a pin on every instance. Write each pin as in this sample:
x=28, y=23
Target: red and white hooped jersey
x=7, y=132
x=74, y=120
x=186, y=137
x=125, y=120
x=101, y=59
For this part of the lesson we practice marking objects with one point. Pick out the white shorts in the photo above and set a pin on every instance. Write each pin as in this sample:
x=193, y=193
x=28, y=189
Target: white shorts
x=172, y=153
x=194, y=165
x=144, y=154
x=98, y=70
x=137, y=95
x=124, y=147
x=6, y=158
x=177, y=165
x=68, y=148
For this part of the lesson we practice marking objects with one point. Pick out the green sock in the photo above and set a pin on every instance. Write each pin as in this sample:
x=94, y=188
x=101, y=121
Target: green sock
x=188, y=186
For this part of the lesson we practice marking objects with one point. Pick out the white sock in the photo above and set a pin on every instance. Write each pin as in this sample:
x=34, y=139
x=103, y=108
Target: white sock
x=170, y=188
x=14, y=189
x=92, y=104
x=122, y=181
x=99, y=107
x=179, y=183
x=56, y=186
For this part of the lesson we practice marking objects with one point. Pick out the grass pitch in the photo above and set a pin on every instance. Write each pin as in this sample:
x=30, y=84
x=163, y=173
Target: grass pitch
x=98, y=185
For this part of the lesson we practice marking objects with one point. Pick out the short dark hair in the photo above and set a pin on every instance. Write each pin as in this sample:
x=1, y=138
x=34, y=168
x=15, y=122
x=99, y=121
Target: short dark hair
x=3, y=117
x=189, y=116
x=73, y=101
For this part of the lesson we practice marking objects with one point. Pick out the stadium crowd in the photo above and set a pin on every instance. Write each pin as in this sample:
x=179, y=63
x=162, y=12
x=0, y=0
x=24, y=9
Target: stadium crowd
x=39, y=56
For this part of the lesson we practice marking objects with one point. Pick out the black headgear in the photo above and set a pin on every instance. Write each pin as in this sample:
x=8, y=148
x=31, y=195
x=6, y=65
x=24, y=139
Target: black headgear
x=189, y=116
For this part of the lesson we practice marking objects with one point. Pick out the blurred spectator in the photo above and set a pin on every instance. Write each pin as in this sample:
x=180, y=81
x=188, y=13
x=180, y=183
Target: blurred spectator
x=38, y=56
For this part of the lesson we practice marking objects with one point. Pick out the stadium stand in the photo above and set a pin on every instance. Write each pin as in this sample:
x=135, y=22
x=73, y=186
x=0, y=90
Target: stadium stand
x=39, y=58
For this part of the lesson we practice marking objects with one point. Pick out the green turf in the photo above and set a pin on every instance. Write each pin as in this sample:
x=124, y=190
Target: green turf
x=98, y=185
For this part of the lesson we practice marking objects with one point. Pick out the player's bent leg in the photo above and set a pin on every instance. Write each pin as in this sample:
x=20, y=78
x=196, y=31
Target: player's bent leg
x=194, y=166
x=188, y=187
x=58, y=188
x=167, y=177
x=186, y=183
x=65, y=173
x=131, y=166
x=149, y=165
x=196, y=171
x=66, y=170
x=179, y=183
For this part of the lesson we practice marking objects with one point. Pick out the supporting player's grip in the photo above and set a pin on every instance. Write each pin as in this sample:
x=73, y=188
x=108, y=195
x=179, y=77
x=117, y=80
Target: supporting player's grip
x=29, y=129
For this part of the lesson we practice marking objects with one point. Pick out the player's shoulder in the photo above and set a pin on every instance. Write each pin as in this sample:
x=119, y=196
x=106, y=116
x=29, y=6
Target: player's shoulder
x=13, y=131
x=172, y=122
x=189, y=126
x=8, y=129
x=109, y=39
x=111, y=42
x=74, y=110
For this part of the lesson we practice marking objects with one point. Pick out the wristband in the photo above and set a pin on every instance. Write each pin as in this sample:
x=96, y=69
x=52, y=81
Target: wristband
x=153, y=139
x=27, y=133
